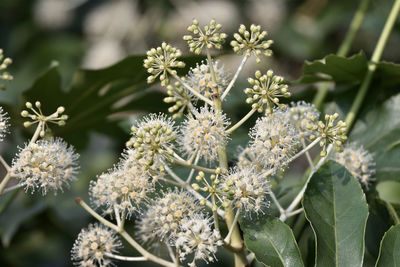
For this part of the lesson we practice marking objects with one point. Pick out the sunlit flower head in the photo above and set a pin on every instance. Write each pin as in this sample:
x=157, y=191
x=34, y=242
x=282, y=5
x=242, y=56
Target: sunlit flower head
x=275, y=138
x=358, y=161
x=200, y=78
x=198, y=237
x=125, y=187
x=92, y=246
x=46, y=165
x=204, y=133
x=161, y=221
x=152, y=138
x=246, y=189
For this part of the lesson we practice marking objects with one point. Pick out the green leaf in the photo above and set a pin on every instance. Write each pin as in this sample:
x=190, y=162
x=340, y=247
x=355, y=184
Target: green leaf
x=350, y=70
x=336, y=207
x=379, y=133
x=389, y=191
x=94, y=95
x=271, y=240
x=389, y=254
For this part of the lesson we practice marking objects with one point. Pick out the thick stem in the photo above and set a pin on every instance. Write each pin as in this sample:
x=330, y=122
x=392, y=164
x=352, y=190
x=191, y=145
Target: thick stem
x=232, y=83
x=236, y=239
x=37, y=132
x=235, y=220
x=344, y=47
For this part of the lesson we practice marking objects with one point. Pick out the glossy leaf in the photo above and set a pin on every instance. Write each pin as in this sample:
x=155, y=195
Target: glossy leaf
x=389, y=254
x=271, y=240
x=336, y=207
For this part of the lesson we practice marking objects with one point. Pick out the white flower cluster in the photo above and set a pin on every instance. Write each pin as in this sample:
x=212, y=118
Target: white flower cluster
x=46, y=165
x=204, y=133
x=92, y=245
x=304, y=117
x=358, y=161
x=152, y=140
x=124, y=187
x=200, y=78
x=274, y=139
x=246, y=189
x=3, y=124
x=198, y=237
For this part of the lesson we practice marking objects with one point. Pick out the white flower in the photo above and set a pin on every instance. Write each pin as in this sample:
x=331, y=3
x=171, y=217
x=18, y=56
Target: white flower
x=246, y=189
x=250, y=157
x=197, y=236
x=124, y=187
x=161, y=221
x=275, y=139
x=152, y=139
x=358, y=161
x=204, y=133
x=91, y=245
x=304, y=117
x=3, y=124
x=46, y=164
x=200, y=78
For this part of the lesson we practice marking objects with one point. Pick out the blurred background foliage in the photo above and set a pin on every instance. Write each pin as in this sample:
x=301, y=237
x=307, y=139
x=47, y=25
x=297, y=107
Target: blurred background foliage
x=87, y=56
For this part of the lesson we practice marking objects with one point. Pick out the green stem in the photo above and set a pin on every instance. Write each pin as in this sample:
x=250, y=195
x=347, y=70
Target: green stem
x=376, y=56
x=344, y=47
x=235, y=239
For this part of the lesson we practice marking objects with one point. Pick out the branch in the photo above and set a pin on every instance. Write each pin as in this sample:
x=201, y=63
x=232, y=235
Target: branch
x=230, y=85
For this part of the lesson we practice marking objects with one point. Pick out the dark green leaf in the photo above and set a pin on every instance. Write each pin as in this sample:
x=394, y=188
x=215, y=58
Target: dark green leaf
x=335, y=205
x=379, y=133
x=389, y=254
x=271, y=240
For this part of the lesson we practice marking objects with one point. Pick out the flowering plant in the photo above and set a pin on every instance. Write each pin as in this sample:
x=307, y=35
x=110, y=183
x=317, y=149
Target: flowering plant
x=178, y=197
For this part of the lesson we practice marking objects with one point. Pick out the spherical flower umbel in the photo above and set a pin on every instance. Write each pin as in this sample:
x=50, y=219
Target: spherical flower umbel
x=152, y=139
x=304, y=117
x=200, y=78
x=198, y=237
x=204, y=133
x=161, y=221
x=252, y=41
x=251, y=157
x=265, y=91
x=209, y=37
x=124, y=187
x=330, y=133
x=161, y=61
x=46, y=165
x=4, y=63
x=246, y=189
x=275, y=139
x=3, y=124
x=358, y=161
x=92, y=246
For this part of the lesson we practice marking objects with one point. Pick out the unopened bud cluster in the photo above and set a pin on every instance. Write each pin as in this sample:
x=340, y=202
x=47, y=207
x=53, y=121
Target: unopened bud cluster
x=210, y=187
x=252, y=41
x=330, y=133
x=265, y=91
x=161, y=61
x=209, y=37
x=4, y=63
x=37, y=116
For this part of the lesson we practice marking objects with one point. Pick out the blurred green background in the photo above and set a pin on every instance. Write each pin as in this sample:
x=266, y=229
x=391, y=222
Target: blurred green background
x=60, y=43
